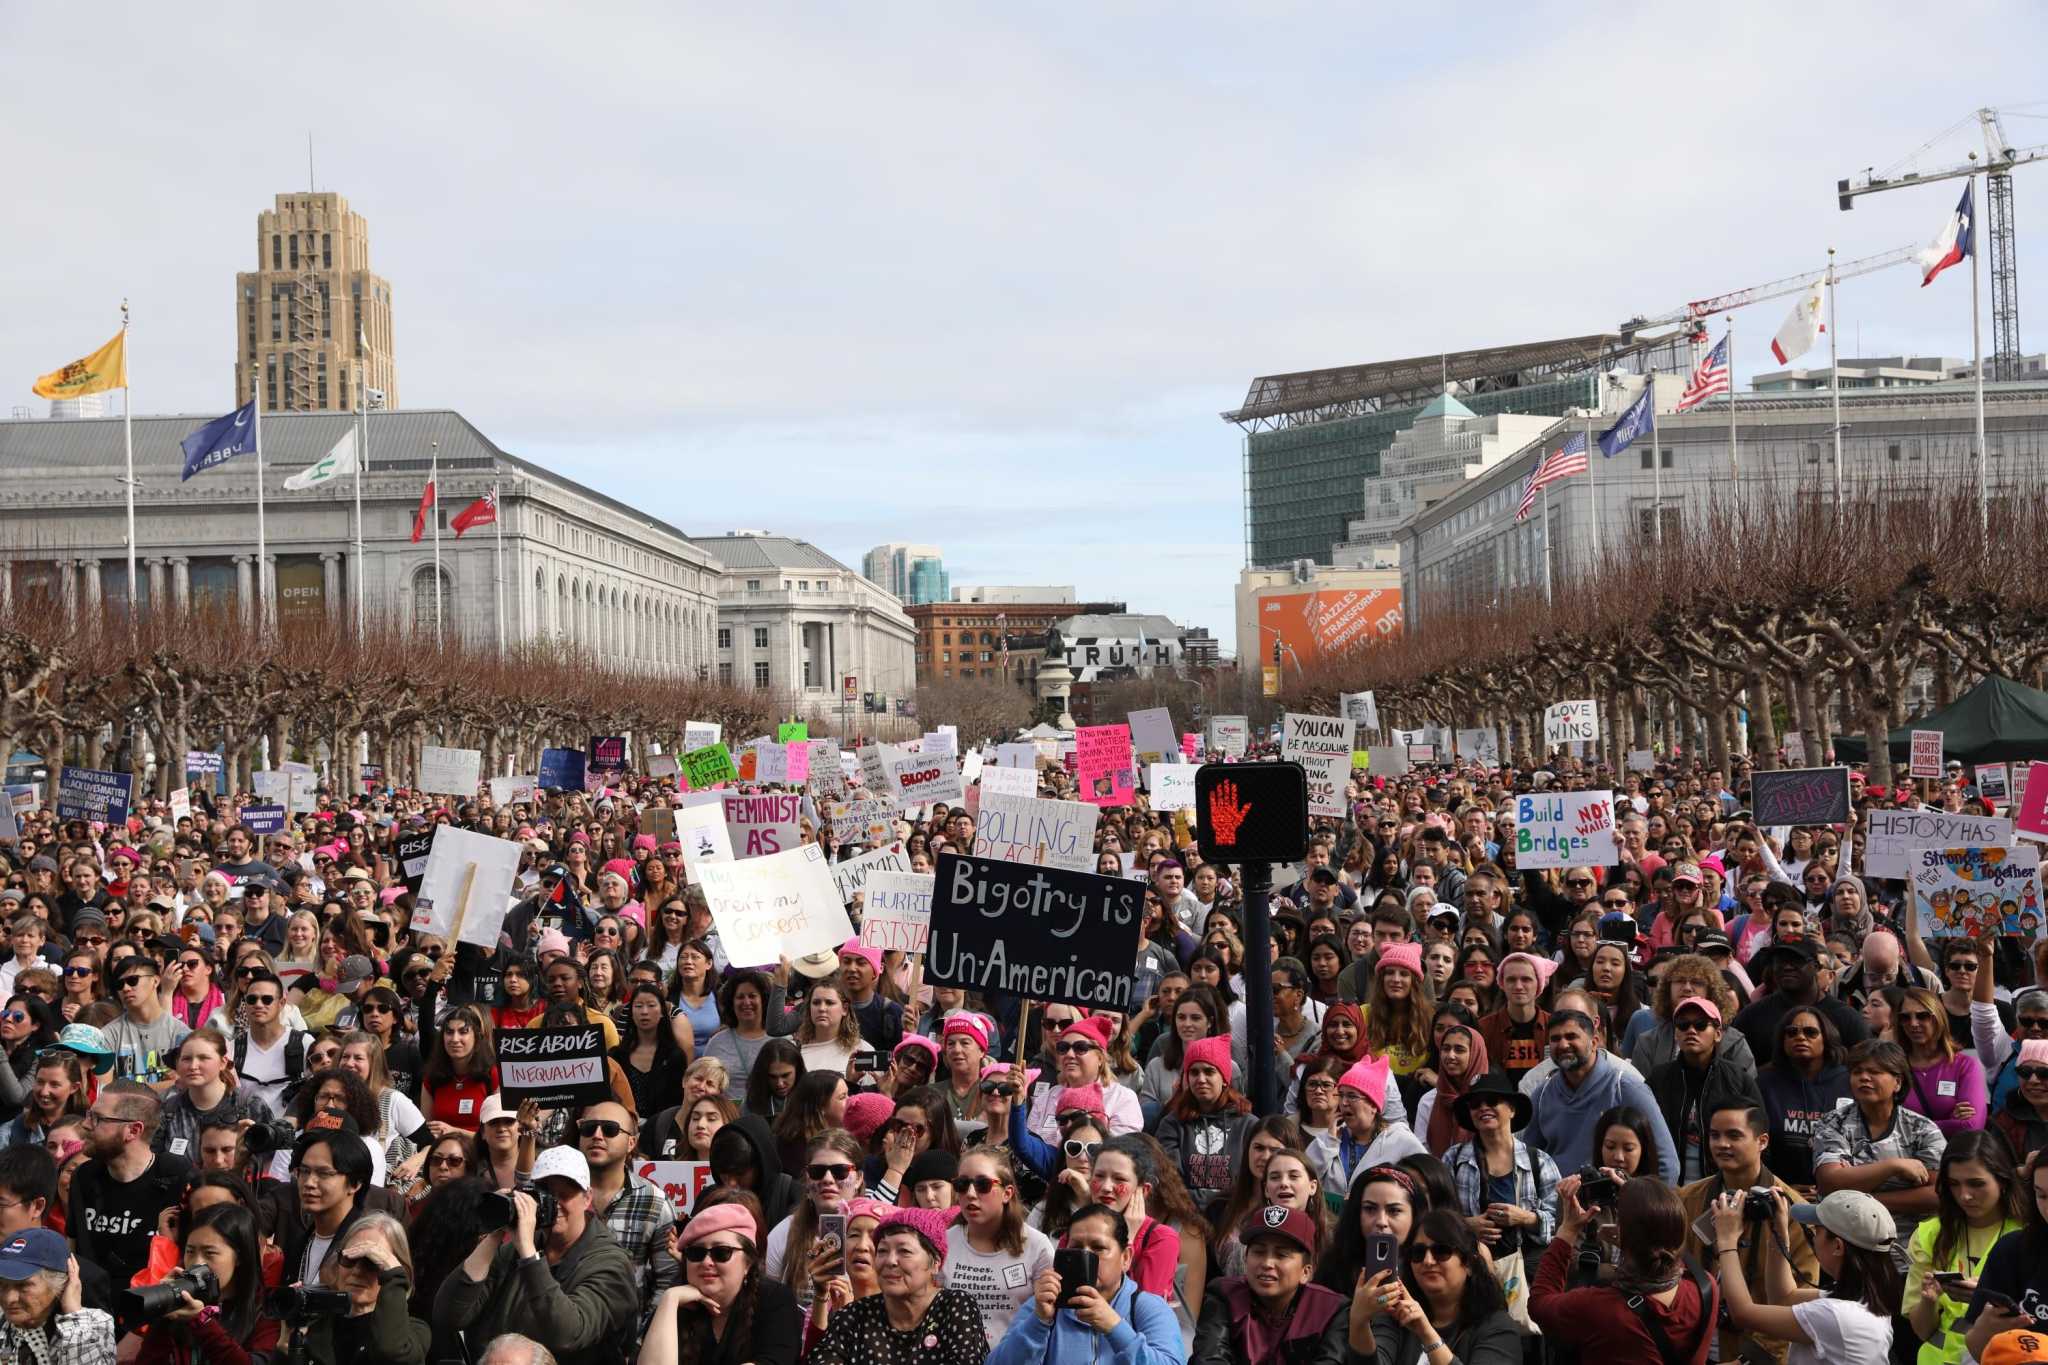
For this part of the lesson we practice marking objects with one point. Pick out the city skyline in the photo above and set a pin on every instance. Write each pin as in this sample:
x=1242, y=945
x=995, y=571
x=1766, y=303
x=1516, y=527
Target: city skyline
x=1013, y=331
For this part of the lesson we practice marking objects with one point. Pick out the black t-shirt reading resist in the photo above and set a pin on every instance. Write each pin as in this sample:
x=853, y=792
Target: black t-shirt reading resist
x=111, y=1222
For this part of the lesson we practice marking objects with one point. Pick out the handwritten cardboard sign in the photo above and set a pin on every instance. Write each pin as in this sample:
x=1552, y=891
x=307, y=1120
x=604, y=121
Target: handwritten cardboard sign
x=1801, y=796
x=450, y=772
x=1173, y=785
x=1891, y=837
x=780, y=905
x=1978, y=892
x=1564, y=829
x=709, y=767
x=1568, y=722
x=851, y=876
x=764, y=822
x=996, y=781
x=466, y=886
x=1322, y=746
x=923, y=777
x=1029, y=829
x=1040, y=932
x=896, y=915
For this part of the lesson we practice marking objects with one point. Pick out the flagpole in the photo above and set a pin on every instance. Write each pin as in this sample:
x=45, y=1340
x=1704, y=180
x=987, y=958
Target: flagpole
x=362, y=458
x=1835, y=375
x=434, y=483
x=262, y=544
x=1546, y=537
x=1977, y=366
x=1656, y=460
x=1734, y=461
x=128, y=441
x=498, y=595
x=1592, y=485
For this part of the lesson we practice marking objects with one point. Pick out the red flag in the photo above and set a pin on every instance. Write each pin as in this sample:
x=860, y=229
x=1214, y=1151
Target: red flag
x=482, y=512
x=419, y=518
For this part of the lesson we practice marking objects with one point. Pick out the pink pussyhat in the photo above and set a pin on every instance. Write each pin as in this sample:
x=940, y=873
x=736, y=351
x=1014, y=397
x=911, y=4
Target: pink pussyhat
x=1369, y=1078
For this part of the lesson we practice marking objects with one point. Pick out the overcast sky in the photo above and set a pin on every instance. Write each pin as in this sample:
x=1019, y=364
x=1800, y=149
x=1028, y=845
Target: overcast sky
x=973, y=275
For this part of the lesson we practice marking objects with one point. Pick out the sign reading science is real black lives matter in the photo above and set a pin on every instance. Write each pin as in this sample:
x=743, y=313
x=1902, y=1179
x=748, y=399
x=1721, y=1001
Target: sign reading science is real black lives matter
x=1044, y=933
x=556, y=1067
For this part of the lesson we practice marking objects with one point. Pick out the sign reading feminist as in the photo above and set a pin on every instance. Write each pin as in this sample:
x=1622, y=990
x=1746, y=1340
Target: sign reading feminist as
x=1040, y=932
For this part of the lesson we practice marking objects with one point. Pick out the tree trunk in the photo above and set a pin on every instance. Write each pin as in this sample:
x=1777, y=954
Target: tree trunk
x=1763, y=724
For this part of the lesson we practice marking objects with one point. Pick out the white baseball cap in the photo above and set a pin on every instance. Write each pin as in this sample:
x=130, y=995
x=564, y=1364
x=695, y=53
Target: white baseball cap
x=566, y=1162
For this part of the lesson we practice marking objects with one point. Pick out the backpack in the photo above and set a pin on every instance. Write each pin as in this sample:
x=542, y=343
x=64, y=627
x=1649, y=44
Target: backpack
x=295, y=1041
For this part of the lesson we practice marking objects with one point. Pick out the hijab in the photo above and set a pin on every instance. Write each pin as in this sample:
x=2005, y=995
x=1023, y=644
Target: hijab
x=1445, y=1131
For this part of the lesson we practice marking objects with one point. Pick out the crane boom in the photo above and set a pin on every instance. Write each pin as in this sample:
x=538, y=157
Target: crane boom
x=1775, y=289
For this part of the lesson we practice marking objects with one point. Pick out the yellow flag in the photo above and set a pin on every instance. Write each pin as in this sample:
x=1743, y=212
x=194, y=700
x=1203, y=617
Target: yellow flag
x=106, y=368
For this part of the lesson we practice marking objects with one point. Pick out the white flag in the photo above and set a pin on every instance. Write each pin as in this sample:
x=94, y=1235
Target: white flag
x=1797, y=336
x=329, y=467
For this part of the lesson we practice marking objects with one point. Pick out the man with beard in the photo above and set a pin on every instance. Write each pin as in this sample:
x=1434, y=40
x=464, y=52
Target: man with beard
x=1588, y=1083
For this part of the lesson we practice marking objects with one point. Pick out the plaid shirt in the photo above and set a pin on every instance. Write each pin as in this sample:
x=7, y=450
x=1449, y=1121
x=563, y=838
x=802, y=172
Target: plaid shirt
x=1844, y=1138
x=83, y=1338
x=1535, y=1184
x=639, y=1220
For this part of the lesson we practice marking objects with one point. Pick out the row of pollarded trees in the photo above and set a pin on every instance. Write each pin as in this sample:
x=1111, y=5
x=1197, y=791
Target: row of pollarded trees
x=95, y=692
x=1757, y=607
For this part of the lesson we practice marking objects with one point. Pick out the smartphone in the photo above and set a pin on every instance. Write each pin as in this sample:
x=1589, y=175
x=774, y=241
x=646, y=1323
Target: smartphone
x=1382, y=1252
x=1947, y=1279
x=865, y=1060
x=1621, y=931
x=1076, y=1267
x=1998, y=1300
x=831, y=1233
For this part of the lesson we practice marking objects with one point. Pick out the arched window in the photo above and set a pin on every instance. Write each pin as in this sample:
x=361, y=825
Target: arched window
x=424, y=612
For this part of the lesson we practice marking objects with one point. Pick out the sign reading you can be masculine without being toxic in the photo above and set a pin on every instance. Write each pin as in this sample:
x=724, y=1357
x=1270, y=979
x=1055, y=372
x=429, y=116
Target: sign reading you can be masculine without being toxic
x=1040, y=932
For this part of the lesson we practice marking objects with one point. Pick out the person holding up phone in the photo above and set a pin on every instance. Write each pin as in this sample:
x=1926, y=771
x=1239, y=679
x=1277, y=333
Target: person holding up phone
x=2012, y=1286
x=1086, y=1309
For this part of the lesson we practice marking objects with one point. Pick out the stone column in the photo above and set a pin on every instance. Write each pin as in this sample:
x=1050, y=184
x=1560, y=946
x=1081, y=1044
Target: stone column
x=156, y=583
x=93, y=594
x=181, y=581
x=269, y=595
x=330, y=582
x=245, y=594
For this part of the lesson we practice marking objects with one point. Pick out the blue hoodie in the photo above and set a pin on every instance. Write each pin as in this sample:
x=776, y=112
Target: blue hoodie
x=1148, y=1335
x=1563, y=1124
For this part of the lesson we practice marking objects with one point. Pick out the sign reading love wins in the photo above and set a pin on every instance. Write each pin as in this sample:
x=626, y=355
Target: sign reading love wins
x=1568, y=722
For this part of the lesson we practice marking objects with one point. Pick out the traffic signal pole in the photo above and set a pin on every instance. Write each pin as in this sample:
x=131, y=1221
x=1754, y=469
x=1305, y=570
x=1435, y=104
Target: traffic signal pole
x=1258, y=988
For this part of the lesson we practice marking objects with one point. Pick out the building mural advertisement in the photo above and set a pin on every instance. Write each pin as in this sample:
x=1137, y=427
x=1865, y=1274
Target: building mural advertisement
x=1314, y=626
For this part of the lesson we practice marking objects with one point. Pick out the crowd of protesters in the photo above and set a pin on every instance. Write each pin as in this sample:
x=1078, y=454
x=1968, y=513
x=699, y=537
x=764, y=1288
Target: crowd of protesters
x=1718, y=1100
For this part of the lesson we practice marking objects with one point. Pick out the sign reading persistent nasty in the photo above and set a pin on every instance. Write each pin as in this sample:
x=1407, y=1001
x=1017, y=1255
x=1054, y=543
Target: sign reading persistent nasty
x=1978, y=892
x=1801, y=796
x=1039, y=932
x=1564, y=829
x=558, y=1068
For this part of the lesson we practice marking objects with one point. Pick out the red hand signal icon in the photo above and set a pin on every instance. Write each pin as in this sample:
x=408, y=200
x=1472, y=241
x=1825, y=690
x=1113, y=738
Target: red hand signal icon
x=1225, y=815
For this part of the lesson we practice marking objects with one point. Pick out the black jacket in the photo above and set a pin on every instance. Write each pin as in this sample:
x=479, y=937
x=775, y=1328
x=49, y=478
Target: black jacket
x=1725, y=1085
x=777, y=1192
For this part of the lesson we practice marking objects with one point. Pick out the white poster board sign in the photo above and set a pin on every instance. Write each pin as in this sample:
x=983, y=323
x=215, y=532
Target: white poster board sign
x=1892, y=835
x=851, y=876
x=1571, y=722
x=467, y=886
x=1173, y=786
x=510, y=791
x=924, y=777
x=1016, y=755
x=450, y=772
x=702, y=831
x=1230, y=734
x=780, y=905
x=1322, y=746
x=1564, y=829
x=1012, y=782
x=897, y=913
x=1153, y=738
x=764, y=823
x=1480, y=744
x=701, y=734
x=1361, y=709
x=1027, y=829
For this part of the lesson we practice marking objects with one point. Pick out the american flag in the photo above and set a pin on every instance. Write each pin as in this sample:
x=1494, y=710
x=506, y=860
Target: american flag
x=1709, y=379
x=1567, y=460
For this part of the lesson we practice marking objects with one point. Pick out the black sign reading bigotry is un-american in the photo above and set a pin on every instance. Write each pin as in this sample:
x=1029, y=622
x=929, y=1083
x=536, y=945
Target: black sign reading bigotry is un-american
x=1044, y=933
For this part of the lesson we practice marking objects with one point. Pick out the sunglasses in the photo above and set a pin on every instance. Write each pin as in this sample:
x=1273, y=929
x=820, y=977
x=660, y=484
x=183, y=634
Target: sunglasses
x=1803, y=1031
x=717, y=1255
x=1430, y=1251
x=980, y=1184
x=78, y=971
x=14, y=1016
x=1616, y=902
x=607, y=1128
x=1578, y=883
x=135, y=979
x=1076, y=1148
x=448, y=1159
x=833, y=1171
x=259, y=999
x=2033, y=1021
x=1692, y=1024
x=92, y=940
x=1915, y=1017
x=1075, y=1048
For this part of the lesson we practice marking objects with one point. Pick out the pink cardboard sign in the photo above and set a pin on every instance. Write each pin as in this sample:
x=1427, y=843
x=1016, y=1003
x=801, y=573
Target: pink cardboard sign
x=2030, y=817
x=1103, y=763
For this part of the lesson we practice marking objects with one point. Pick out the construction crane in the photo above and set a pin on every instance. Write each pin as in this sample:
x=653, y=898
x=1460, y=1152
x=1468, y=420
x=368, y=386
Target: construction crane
x=1999, y=159
x=1700, y=309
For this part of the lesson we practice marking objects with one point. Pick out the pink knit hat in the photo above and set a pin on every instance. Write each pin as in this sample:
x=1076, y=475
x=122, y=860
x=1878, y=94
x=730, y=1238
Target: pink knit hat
x=918, y=1042
x=866, y=1112
x=969, y=1023
x=929, y=1224
x=1407, y=955
x=1542, y=966
x=2034, y=1052
x=623, y=866
x=992, y=1067
x=853, y=947
x=1095, y=1026
x=1368, y=1077
x=1087, y=1098
x=645, y=841
x=1214, y=1051
x=718, y=1218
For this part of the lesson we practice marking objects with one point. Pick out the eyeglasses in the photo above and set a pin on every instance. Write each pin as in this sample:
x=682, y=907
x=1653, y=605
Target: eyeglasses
x=717, y=1255
x=914, y=1129
x=92, y=940
x=1803, y=1031
x=1075, y=1148
x=1430, y=1251
x=14, y=1016
x=606, y=1128
x=1075, y=1048
x=833, y=1171
x=321, y=1173
x=1915, y=1017
x=448, y=1159
x=980, y=1184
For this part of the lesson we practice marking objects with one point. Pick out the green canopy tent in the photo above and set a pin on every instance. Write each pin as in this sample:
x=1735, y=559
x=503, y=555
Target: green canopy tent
x=1997, y=721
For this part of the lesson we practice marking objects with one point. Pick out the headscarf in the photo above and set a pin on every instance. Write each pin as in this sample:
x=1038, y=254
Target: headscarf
x=1341, y=1009
x=1445, y=1131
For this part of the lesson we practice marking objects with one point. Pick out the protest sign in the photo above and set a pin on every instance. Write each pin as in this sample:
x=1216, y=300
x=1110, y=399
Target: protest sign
x=796, y=761
x=1027, y=829
x=411, y=850
x=561, y=770
x=1481, y=745
x=1795, y=749
x=94, y=794
x=1994, y=781
x=271, y=786
x=851, y=876
x=1102, y=760
x=1190, y=747
x=764, y=823
x=1422, y=753
x=1017, y=756
x=663, y=765
x=680, y=1182
x=708, y=767
x=1801, y=796
x=467, y=886
x=792, y=731
x=1009, y=782
x=202, y=761
x=180, y=803
x=2019, y=777
x=1045, y=933
x=1322, y=746
x=1641, y=761
x=450, y=772
x=1564, y=829
x=780, y=905
x=1153, y=736
x=868, y=821
x=1230, y=734
x=971, y=766
x=874, y=768
x=921, y=777
x=607, y=755
x=771, y=761
x=1361, y=710
x=701, y=734
x=940, y=741
x=1361, y=759
x=897, y=913
x=702, y=832
x=824, y=777
x=1977, y=892
x=264, y=819
x=1891, y=837
x=2030, y=817
x=510, y=791
x=1567, y=721
x=558, y=1068
x=1387, y=760
x=1926, y=754
x=1173, y=785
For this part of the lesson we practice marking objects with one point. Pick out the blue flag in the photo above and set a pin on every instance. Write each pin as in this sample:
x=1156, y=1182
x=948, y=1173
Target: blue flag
x=1638, y=419
x=220, y=440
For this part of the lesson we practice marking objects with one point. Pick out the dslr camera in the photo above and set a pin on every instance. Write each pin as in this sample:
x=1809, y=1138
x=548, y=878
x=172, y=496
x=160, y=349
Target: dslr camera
x=300, y=1302
x=1597, y=1189
x=1759, y=1204
x=262, y=1139
x=496, y=1213
x=154, y=1300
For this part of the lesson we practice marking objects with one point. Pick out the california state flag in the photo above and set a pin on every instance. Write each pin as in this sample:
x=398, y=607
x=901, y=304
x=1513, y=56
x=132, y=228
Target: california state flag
x=482, y=512
x=1801, y=329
